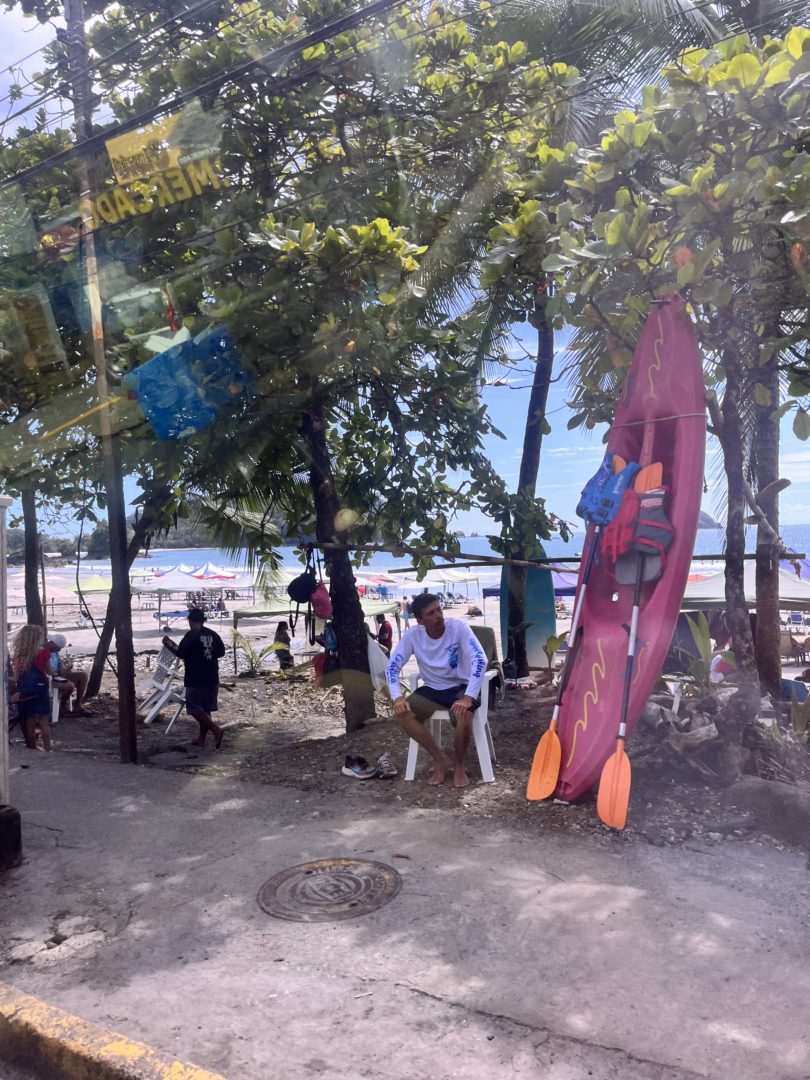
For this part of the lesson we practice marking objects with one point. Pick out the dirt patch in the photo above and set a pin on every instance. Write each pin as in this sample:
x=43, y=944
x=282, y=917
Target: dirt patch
x=284, y=731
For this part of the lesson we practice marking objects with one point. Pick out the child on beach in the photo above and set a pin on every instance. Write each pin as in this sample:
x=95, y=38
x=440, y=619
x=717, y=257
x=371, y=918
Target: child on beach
x=30, y=661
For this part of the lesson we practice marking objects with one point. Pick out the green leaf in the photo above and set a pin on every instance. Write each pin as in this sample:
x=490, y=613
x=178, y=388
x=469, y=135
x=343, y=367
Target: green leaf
x=762, y=395
x=557, y=262
x=745, y=70
x=314, y=51
x=801, y=424
x=795, y=40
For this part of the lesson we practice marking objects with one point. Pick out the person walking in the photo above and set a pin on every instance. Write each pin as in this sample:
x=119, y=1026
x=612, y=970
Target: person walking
x=200, y=650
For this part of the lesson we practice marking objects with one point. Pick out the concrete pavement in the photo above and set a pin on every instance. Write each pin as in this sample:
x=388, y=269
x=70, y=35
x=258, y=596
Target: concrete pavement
x=530, y=954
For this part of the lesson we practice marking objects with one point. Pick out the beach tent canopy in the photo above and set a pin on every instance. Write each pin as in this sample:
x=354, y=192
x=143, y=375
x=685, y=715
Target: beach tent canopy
x=210, y=572
x=278, y=608
x=93, y=583
x=709, y=592
x=564, y=581
x=178, y=568
x=167, y=583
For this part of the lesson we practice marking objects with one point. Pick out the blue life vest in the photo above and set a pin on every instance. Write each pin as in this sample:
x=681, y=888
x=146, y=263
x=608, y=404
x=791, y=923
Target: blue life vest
x=602, y=495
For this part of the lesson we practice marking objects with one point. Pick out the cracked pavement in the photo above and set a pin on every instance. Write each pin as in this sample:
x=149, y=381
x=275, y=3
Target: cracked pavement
x=506, y=952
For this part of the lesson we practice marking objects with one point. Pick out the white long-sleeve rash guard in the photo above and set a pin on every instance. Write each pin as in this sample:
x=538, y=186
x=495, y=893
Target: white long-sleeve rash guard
x=449, y=660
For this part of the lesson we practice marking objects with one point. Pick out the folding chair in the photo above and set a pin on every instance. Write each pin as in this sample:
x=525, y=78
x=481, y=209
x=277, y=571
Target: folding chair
x=156, y=691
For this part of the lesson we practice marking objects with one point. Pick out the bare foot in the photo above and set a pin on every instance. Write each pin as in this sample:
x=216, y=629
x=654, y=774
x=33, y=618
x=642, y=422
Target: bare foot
x=437, y=773
x=460, y=778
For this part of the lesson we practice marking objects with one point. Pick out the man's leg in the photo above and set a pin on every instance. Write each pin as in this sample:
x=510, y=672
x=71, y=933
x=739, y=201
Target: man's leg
x=414, y=728
x=79, y=680
x=461, y=740
x=206, y=724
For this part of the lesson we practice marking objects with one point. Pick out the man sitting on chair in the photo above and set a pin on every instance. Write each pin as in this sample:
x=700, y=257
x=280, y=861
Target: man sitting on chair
x=452, y=666
x=68, y=680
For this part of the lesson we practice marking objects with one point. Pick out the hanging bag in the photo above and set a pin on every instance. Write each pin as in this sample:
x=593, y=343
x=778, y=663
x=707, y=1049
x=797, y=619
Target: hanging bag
x=320, y=599
x=301, y=588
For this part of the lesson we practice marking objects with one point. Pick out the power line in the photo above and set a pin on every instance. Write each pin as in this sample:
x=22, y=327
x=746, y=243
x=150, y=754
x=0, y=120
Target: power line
x=215, y=83
x=73, y=77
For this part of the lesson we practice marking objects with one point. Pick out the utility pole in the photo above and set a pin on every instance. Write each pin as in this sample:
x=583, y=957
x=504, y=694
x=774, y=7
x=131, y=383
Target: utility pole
x=10, y=827
x=120, y=605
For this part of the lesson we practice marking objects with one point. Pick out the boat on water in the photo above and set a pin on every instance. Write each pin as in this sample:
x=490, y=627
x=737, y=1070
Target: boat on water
x=660, y=418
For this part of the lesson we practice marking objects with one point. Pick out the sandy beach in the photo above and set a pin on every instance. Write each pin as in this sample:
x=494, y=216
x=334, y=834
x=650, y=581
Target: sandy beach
x=63, y=617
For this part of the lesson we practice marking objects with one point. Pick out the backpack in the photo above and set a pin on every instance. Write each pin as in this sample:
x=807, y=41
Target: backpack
x=301, y=588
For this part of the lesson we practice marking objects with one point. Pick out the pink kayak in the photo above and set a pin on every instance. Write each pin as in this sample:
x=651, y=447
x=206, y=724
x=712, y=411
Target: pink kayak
x=664, y=397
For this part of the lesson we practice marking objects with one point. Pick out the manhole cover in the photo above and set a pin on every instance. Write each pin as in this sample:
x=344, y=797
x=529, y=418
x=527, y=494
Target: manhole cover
x=328, y=890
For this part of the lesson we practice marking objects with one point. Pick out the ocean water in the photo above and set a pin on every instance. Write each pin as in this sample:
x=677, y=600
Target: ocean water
x=708, y=542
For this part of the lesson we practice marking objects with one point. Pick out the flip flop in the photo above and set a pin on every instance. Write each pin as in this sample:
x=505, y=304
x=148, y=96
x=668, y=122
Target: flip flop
x=219, y=738
x=81, y=712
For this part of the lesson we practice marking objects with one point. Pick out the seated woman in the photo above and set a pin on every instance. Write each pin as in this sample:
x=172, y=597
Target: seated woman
x=282, y=642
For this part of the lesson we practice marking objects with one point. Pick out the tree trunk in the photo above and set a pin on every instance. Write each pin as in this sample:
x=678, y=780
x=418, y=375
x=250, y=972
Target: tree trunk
x=766, y=449
x=527, y=483
x=108, y=628
x=348, y=620
x=731, y=440
x=33, y=602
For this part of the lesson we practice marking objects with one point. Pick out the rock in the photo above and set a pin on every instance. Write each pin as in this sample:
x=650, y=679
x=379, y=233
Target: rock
x=20, y=953
x=701, y=720
x=781, y=810
x=715, y=836
x=688, y=740
x=73, y=924
x=707, y=705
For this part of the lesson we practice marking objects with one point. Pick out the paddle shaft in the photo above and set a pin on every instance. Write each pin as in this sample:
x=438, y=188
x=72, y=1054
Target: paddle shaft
x=631, y=649
x=570, y=658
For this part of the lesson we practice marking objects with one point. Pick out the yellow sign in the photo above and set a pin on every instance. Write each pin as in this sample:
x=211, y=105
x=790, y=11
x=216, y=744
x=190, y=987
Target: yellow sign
x=161, y=189
x=142, y=153
x=183, y=137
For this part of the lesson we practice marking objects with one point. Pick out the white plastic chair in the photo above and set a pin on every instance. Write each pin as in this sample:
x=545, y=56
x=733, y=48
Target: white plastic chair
x=158, y=690
x=482, y=736
x=56, y=688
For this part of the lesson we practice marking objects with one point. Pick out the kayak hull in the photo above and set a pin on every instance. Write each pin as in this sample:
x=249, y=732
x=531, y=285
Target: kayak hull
x=664, y=397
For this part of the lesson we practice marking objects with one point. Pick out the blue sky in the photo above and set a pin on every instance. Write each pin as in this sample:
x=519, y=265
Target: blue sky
x=568, y=458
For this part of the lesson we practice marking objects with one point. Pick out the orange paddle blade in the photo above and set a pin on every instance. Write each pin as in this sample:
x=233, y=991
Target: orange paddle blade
x=614, y=788
x=651, y=476
x=618, y=463
x=545, y=766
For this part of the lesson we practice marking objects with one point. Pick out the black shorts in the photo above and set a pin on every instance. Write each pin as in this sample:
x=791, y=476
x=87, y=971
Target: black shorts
x=424, y=701
x=201, y=699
